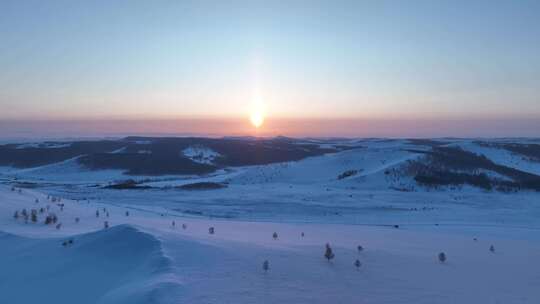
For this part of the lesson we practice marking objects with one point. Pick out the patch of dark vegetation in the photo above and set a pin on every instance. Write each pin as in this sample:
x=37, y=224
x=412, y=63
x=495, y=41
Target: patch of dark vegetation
x=530, y=152
x=145, y=164
x=26, y=185
x=444, y=166
x=127, y=185
x=347, y=173
x=427, y=142
x=21, y=156
x=161, y=156
x=202, y=186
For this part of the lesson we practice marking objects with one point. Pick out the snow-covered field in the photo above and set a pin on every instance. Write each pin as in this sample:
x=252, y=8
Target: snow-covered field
x=158, y=249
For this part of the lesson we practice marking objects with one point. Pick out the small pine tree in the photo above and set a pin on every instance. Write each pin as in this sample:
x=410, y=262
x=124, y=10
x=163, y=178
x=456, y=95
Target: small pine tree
x=127, y=213
x=328, y=254
x=491, y=248
x=24, y=212
x=442, y=257
x=266, y=266
x=16, y=215
x=274, y=236
x=106, y=224
x=58, y=226
x=97, y=213
x=77, y=220
x=211, y=230
x=302, y=234
x=36, y=201
x=34, y=217
x=184, y=226
x=360, y=248
x=107, y=214
x=357, y=264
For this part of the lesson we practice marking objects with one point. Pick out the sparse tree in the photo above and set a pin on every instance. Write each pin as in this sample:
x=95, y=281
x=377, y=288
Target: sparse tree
x=275, y=236
x=97, y=213
x=58, y=226
x=106, y=224
x=107, y=214
x=127, y=213
x=173, y=224
x=24, y=212
x=328, y=254
x=302, y=234
x=211, y=230
x=492, y=248
x=12, y=188
x=360, y=248
x=36, y=201
x=77, y=220
x=16, y=215
x=34, y=217
x=357, y=264
x=442, y=257
x=184, y=226
x=266, y=266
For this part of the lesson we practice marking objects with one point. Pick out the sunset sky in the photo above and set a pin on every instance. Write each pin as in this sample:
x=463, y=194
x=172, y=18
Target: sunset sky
x=308, y=68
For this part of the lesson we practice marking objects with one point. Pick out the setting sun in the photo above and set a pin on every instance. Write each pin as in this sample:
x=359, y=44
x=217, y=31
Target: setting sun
x=257, y=119
x=257, y=113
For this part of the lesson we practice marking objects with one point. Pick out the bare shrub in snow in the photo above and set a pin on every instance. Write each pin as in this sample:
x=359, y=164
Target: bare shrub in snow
x=491, y=248
x=442, y=257
x=77, y=220
x=97, y=213
x=33, y=215
x=302, y=234
x=357, y=264
x=16, y=215
x=127, y=213
x=211, y=230
x=274, y=236
x=24, y=212
x=266, y=266
x=184, y=226
x=360, y=248
x=58, y=226
x=328, y=254
x=106, y=224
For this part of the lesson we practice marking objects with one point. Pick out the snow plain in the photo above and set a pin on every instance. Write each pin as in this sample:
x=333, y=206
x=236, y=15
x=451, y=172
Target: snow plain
x=143, y=258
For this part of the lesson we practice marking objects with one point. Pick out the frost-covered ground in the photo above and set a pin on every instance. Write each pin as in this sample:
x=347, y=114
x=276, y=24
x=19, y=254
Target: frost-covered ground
x=143, y=258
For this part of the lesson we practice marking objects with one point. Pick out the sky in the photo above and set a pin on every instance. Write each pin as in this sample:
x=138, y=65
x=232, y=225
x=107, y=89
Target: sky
x=308, y=68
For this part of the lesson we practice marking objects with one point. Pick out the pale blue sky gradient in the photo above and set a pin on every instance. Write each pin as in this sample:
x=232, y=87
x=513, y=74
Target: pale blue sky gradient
x=308, y=59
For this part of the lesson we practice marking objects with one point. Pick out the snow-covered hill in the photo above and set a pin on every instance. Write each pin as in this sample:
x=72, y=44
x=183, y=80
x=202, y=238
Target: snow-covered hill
x=371, y=193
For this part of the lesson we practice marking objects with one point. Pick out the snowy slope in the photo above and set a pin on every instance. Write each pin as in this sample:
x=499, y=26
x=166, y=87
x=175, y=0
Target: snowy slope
x=142, y=258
